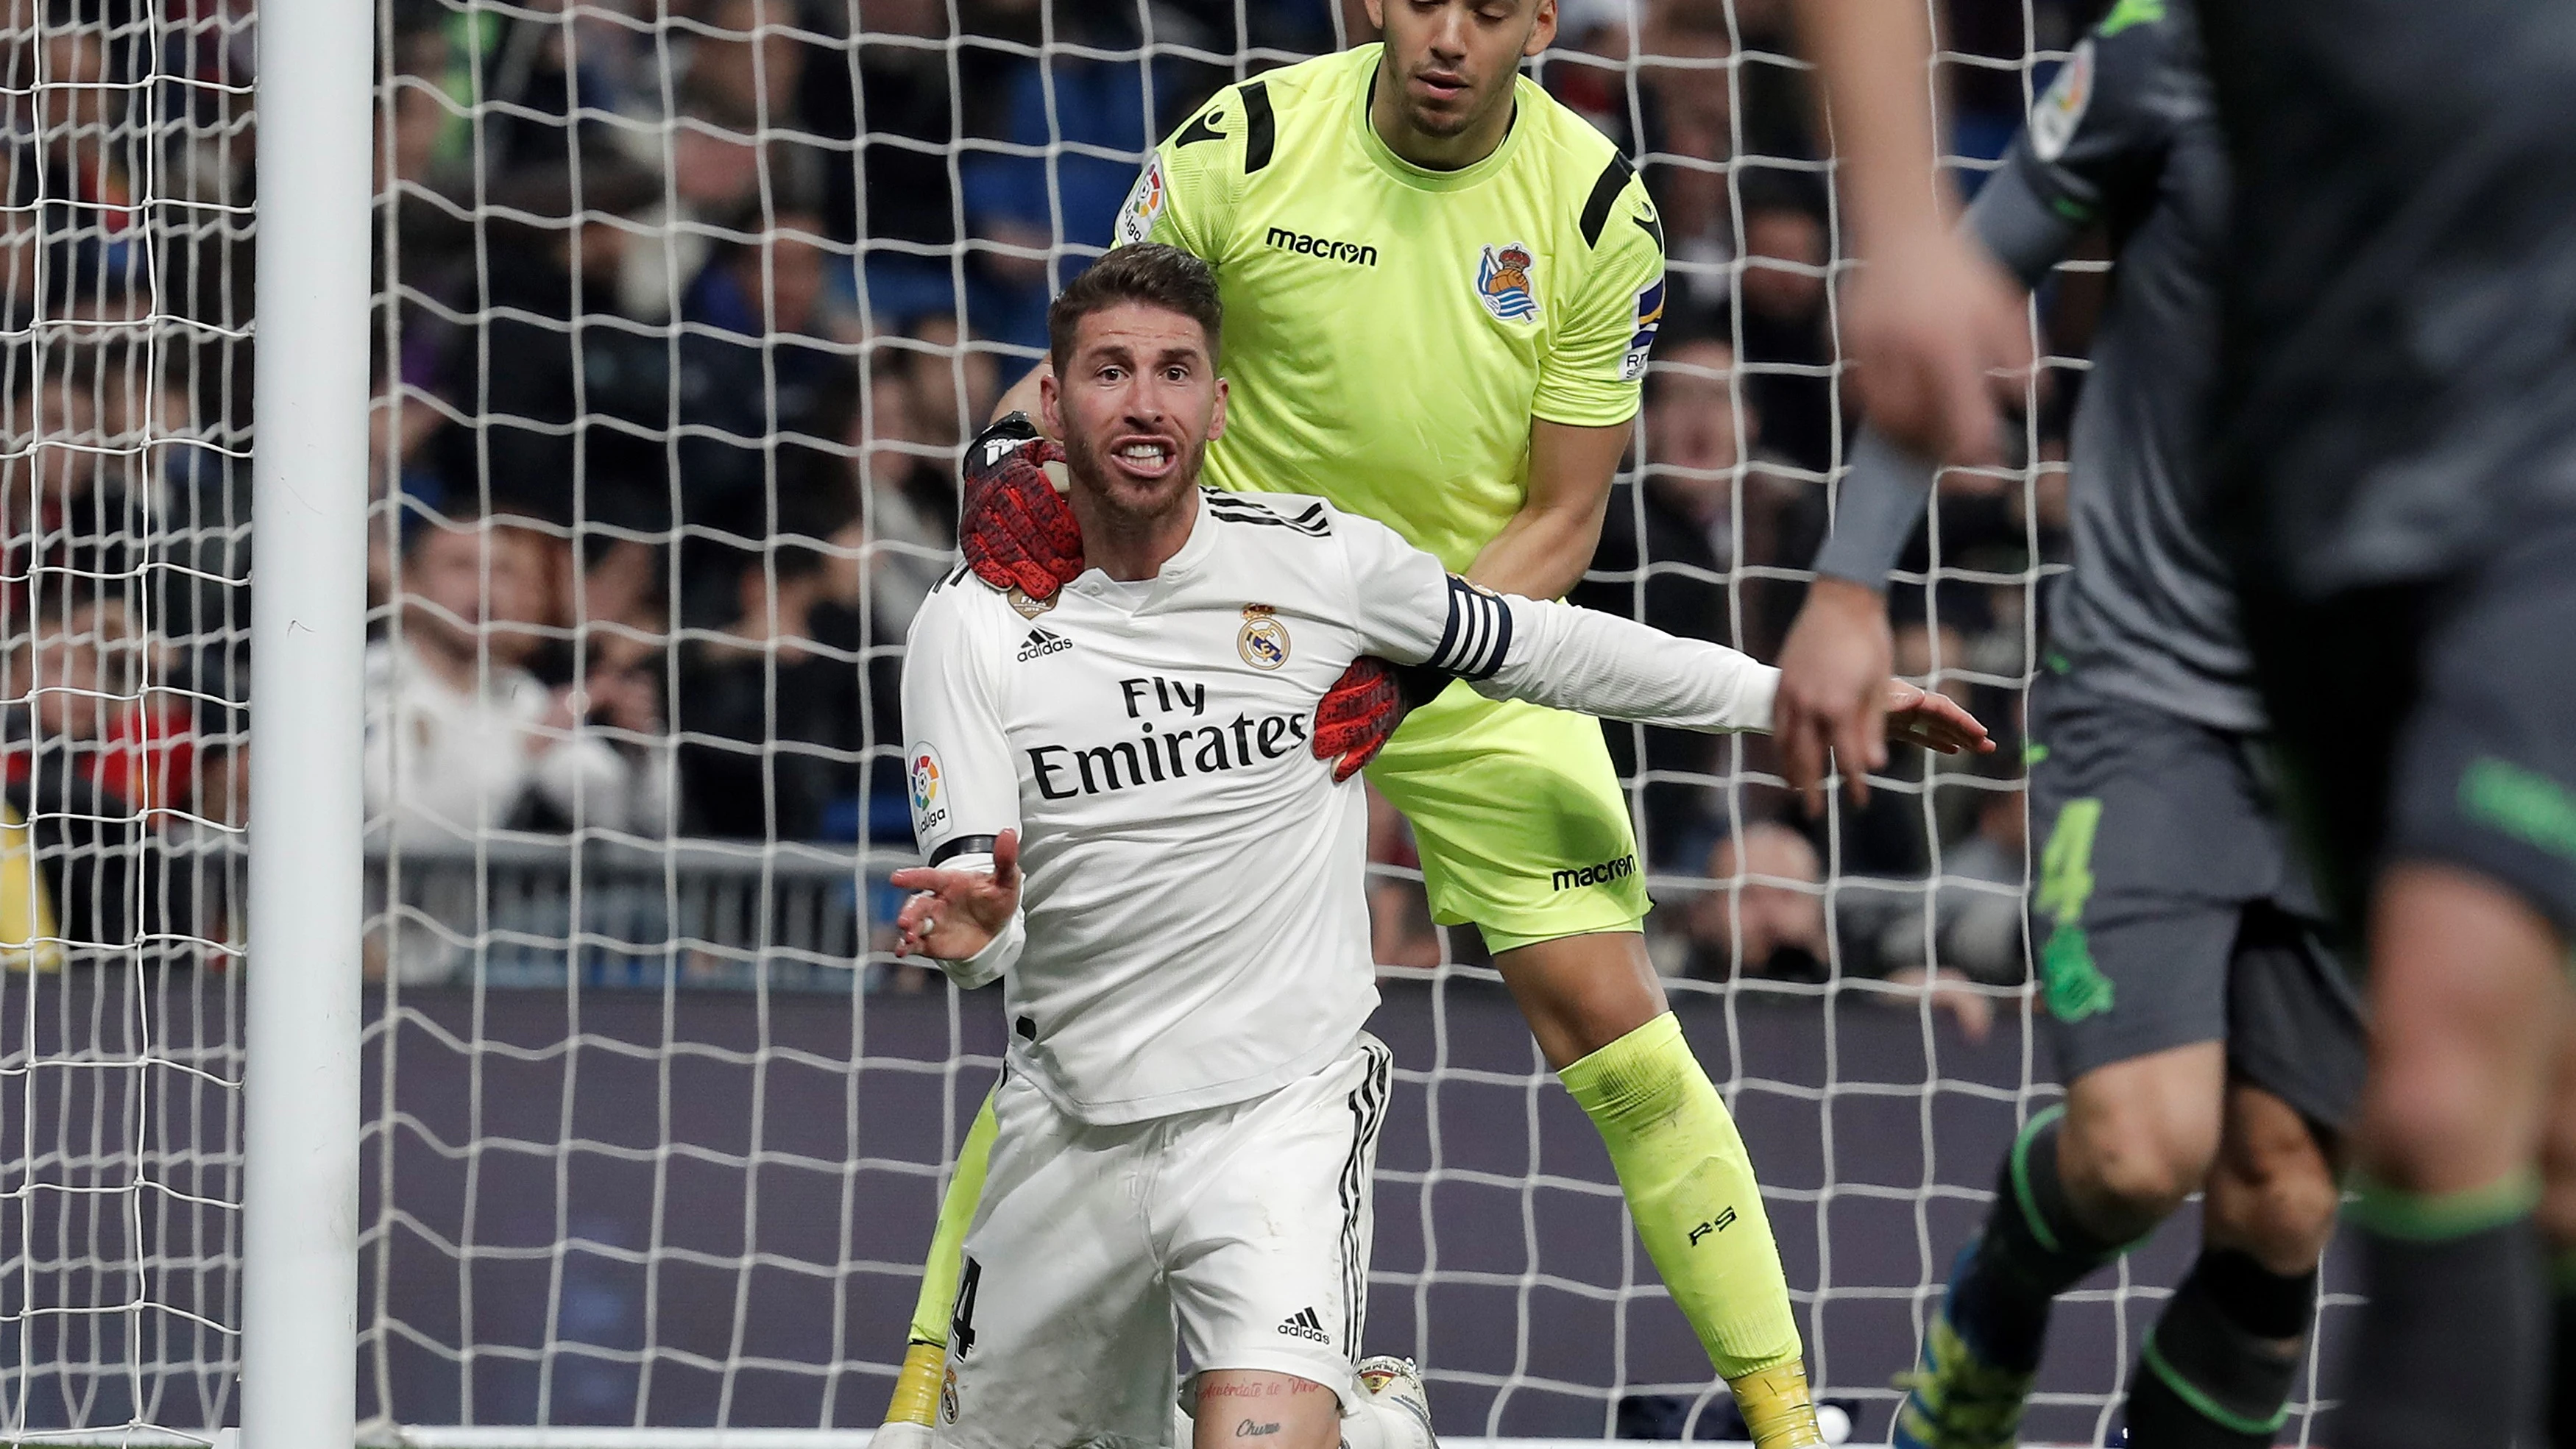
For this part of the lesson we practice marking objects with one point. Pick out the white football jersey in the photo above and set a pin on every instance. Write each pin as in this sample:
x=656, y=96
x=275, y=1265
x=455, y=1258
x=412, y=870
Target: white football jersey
x=1193, y=919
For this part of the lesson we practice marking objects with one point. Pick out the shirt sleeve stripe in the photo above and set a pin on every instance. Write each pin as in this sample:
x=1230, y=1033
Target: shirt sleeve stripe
x=1478, y=635
x=1260, y=128
x=1605, y=190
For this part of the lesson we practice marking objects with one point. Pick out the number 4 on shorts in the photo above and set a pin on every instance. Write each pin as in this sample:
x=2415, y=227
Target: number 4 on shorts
x=2076, y=988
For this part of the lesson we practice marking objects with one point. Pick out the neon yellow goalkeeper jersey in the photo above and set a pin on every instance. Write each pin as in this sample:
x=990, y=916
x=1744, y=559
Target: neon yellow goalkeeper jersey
x=1390, y=331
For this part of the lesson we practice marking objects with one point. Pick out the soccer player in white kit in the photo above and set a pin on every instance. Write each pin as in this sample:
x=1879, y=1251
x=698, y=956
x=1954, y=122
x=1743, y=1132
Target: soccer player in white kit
x=1124, y=824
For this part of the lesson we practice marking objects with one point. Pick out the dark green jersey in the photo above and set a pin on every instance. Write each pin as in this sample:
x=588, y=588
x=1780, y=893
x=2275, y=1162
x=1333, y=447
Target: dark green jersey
x=2126, y=135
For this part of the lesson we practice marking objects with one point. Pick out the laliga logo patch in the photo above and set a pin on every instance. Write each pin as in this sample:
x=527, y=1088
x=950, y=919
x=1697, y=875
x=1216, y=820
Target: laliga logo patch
x=1503, y=283
x=1146, y=202
x=1264, y=640
x=927, y=812
x=2054, y=118
x=1650, y=318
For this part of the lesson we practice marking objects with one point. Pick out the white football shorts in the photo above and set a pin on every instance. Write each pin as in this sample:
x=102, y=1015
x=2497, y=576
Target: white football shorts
x=1246, y=1227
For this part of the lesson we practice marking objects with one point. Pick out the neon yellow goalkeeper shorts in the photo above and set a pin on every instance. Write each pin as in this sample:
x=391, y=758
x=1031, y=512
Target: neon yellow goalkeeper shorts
x=1519, y=817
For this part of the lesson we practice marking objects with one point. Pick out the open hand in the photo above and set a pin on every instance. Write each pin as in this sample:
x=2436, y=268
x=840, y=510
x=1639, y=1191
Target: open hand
x=953, y=914
x=1933, y=720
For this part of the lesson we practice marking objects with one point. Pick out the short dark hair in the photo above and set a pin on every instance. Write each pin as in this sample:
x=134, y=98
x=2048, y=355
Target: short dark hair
x=1151, y=273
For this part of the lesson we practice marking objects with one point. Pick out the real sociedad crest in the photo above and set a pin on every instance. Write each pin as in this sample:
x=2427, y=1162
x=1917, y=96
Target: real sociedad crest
x=1503, y=283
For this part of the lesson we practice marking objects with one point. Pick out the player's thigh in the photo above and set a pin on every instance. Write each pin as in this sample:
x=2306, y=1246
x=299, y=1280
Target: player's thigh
x=2294, y=1023
x=1267, y=1221
x=2467, y=987
x=2152, y=843
x=1061, y=1334
x=1276, y=1411
x=2485, y=769
x=1518, y=814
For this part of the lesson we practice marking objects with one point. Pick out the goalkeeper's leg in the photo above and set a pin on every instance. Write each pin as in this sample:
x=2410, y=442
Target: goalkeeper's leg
x=1524, y=831
x=1596, y=1006
x=925, y=1351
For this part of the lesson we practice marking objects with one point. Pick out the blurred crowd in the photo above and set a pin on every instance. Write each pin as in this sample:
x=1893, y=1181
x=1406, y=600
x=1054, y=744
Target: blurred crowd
x=685, y=308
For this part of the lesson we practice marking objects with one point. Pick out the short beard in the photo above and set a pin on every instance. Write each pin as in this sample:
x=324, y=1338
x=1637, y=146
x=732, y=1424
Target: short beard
x=1116, y=500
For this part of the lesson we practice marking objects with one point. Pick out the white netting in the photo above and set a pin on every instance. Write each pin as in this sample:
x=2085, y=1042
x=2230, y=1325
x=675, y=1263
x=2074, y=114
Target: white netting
x=123, y=483
x=685, y=308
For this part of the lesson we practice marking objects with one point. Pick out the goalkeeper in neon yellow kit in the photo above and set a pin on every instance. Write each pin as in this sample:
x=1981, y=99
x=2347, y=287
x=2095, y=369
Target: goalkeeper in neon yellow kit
x=1440, y=288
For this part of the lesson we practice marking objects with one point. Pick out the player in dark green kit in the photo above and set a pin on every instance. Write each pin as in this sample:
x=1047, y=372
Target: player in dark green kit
x=2208, y=1041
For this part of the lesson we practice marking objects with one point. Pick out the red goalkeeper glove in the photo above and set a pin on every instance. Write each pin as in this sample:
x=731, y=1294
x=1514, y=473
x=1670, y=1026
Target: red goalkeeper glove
x=1017, y=529
x=1360, y=713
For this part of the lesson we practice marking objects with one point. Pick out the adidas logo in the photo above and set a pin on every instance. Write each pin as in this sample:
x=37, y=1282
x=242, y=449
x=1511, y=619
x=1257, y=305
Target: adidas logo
x=1304, y=1324
x=1042, y=642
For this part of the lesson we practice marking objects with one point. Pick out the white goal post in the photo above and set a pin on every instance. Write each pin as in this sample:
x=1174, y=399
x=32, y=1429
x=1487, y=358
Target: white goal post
x=308, y=617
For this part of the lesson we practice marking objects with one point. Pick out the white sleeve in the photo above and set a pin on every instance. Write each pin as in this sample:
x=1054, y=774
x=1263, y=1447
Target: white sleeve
x=958, y=770
x=1412, y=611
x=1600, y=664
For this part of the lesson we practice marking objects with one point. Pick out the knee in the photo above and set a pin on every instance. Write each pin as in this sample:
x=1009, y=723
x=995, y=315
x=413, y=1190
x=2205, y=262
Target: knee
x=2273, y=1198
x=2129, y=1171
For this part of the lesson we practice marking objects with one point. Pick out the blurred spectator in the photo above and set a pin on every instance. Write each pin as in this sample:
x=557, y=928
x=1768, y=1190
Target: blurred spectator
x=909, y=498
x=762, y=385
x=461, y=738
x=1691, y=138
x=1787, y=351
x=527, y=93
x=1764, y=911
x=70, y=156
x=770, y=706
x=954, y=385
x=83, y=727
x=572, y=395
x=906, y=208
x=1977, y=908
x=1052, y=189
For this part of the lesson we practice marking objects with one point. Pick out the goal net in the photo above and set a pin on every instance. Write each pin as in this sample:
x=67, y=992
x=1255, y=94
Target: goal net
x=684, y=309
x=124, y=276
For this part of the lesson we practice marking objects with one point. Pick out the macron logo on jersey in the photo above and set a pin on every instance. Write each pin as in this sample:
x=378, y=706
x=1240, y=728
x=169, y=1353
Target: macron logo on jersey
x=1353, y=253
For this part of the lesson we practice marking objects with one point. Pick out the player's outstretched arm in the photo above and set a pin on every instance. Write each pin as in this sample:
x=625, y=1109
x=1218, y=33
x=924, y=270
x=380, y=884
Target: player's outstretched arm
x=955, y=913
x=1935, y=329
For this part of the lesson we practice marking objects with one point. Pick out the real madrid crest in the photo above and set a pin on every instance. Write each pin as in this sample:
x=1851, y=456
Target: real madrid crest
x=1264, y=640
x=948, y=1397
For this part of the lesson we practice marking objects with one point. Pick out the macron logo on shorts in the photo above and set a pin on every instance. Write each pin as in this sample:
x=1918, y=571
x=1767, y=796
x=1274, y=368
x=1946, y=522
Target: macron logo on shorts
x=1304, y=1324
x=1592, y=875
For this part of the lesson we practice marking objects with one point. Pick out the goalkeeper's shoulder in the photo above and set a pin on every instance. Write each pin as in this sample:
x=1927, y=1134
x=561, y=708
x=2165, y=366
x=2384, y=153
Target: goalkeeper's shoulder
x=1596, y=191
x=1255, y=131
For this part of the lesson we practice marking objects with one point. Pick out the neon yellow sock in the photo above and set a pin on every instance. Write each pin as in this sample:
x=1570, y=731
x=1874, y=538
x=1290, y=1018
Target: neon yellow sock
x=1690, y=1187
x=916, y=1387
